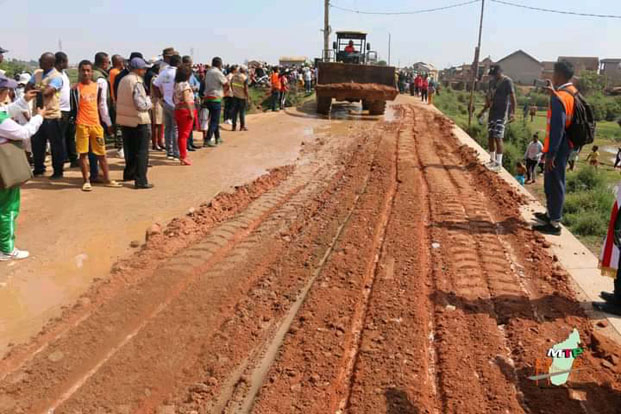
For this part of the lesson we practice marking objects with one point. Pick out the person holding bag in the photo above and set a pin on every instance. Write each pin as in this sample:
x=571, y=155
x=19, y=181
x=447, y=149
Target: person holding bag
x=14, y=167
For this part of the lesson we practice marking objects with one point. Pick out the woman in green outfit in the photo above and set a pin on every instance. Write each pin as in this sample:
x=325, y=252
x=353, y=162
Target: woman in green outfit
x=12, y=131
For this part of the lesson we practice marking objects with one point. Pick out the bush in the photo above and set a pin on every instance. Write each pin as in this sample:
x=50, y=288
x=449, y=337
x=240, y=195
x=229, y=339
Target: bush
x=586, y=179
x=588, y=203
x=587, y=223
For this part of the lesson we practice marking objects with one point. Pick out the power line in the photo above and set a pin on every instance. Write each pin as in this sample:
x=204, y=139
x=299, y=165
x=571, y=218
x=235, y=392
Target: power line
x=522, y=6
x=452, y=6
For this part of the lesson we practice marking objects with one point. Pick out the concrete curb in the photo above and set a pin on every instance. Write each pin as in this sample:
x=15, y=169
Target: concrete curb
x=574, y=257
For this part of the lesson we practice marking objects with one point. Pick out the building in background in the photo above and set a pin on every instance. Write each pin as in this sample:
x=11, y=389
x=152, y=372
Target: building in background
x=582, y=64
x=292, y=61
x=521, y=67
x=610, y=69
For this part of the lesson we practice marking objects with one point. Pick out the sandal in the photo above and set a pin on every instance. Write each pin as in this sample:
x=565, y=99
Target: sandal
x=185, y=161
x=113, y=184
x=87, y=187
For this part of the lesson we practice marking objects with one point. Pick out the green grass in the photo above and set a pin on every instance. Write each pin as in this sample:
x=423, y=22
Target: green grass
x=261, y=99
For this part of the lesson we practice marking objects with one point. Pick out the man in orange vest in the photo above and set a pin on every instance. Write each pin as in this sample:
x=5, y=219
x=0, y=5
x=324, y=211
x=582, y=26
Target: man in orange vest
x=557, y=146
x=276, y=86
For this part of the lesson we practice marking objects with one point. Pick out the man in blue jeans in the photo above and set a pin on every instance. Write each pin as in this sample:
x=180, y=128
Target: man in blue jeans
x=557, y=146
x=164, y=88
x=216, y=84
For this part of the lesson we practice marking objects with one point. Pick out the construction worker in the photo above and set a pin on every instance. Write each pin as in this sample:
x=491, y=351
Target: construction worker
x=556, y=146
x=350, y=47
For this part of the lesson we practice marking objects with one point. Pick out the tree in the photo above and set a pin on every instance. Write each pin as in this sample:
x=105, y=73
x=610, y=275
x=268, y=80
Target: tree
x=14, y=67
x=591, y=82
x=382, y=63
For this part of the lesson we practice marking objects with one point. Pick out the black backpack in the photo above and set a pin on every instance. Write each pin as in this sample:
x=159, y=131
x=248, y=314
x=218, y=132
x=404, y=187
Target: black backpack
x=581, y=132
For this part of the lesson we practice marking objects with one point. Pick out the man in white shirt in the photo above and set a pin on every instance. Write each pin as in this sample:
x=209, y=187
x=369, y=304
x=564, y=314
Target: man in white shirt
x=67, y=124
x=533, y=157
x=165, y=86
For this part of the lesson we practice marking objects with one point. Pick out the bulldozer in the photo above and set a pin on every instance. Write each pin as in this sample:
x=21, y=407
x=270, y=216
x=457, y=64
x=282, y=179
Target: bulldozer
x=350, y=73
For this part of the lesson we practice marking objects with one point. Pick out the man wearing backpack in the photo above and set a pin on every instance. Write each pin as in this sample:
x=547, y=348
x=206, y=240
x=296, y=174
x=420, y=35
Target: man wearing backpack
x=559, y=142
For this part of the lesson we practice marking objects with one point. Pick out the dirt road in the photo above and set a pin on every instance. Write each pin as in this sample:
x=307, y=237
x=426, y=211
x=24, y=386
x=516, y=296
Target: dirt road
x=385, y=272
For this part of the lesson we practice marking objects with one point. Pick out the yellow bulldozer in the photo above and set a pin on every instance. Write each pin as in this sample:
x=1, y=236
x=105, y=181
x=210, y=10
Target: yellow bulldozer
x=350, y=73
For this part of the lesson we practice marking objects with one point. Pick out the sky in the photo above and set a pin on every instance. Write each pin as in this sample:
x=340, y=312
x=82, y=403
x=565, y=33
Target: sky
x=239, y=30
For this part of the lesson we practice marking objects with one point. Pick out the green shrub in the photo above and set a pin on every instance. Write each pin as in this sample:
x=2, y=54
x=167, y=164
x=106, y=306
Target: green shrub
x=587, y=223
x=585, y=179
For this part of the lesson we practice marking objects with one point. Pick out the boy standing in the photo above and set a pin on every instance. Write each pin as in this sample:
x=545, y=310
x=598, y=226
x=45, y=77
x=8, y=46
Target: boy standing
x=90, y=108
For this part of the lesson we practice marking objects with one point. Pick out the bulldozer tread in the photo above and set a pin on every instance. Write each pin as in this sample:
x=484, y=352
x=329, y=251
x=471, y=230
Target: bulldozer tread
x=377, y=107
x=323, y=105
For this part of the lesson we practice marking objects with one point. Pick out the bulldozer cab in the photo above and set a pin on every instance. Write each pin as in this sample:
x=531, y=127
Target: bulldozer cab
x=352, y=47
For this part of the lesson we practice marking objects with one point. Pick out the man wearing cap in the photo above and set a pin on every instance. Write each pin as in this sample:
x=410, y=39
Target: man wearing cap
x=132, y=114
x=48, y=82
x=165, y=85
x=501, y=102
x=166, y=55
x=10, y=199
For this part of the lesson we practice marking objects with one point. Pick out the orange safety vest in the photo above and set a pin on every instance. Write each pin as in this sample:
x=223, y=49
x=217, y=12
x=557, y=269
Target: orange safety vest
x=275, y=82
x=568, y=101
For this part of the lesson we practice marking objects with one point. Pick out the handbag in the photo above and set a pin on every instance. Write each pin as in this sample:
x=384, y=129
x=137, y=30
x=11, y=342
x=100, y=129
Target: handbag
x=14, y=167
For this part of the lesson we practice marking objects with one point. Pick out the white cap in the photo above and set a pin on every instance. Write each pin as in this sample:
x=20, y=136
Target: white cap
x=24, y=78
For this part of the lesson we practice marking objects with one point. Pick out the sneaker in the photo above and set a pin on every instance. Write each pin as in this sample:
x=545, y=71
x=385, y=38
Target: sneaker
x=610, y=298
x=219, y=141
x=607, y=308
x=56, y=176
x=228, y=122
x=170, y=157
x=495, y=168
x=548, y=228
x=543, y=217
x=15, y=255
x=120, y=153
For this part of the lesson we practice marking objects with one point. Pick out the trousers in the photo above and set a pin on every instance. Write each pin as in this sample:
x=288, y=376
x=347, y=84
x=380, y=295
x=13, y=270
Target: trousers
x=239, y=108
x=9, y=210
x=554, y=183
x=215, y=108
x=275, y=99
x=51, y=130
x=170, y=131
x=68, y=132
x=136, y=147
x=185, y=125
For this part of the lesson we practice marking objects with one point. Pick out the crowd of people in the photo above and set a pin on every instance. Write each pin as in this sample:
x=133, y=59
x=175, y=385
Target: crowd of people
x=418, y=84
x=139, y=106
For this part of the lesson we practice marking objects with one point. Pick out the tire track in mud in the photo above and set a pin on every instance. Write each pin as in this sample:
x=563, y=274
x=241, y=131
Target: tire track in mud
x=395, y=370
x=184, y=271
x=312, y=372
x=528, y=321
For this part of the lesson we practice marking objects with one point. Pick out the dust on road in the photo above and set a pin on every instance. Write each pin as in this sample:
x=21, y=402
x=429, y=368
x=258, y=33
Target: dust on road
x=388, y=272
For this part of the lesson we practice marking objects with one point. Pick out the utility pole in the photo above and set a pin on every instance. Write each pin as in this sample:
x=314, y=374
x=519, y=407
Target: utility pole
x=60, y=44
x=326, y=31
x=389, y=42
x=475, y=67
